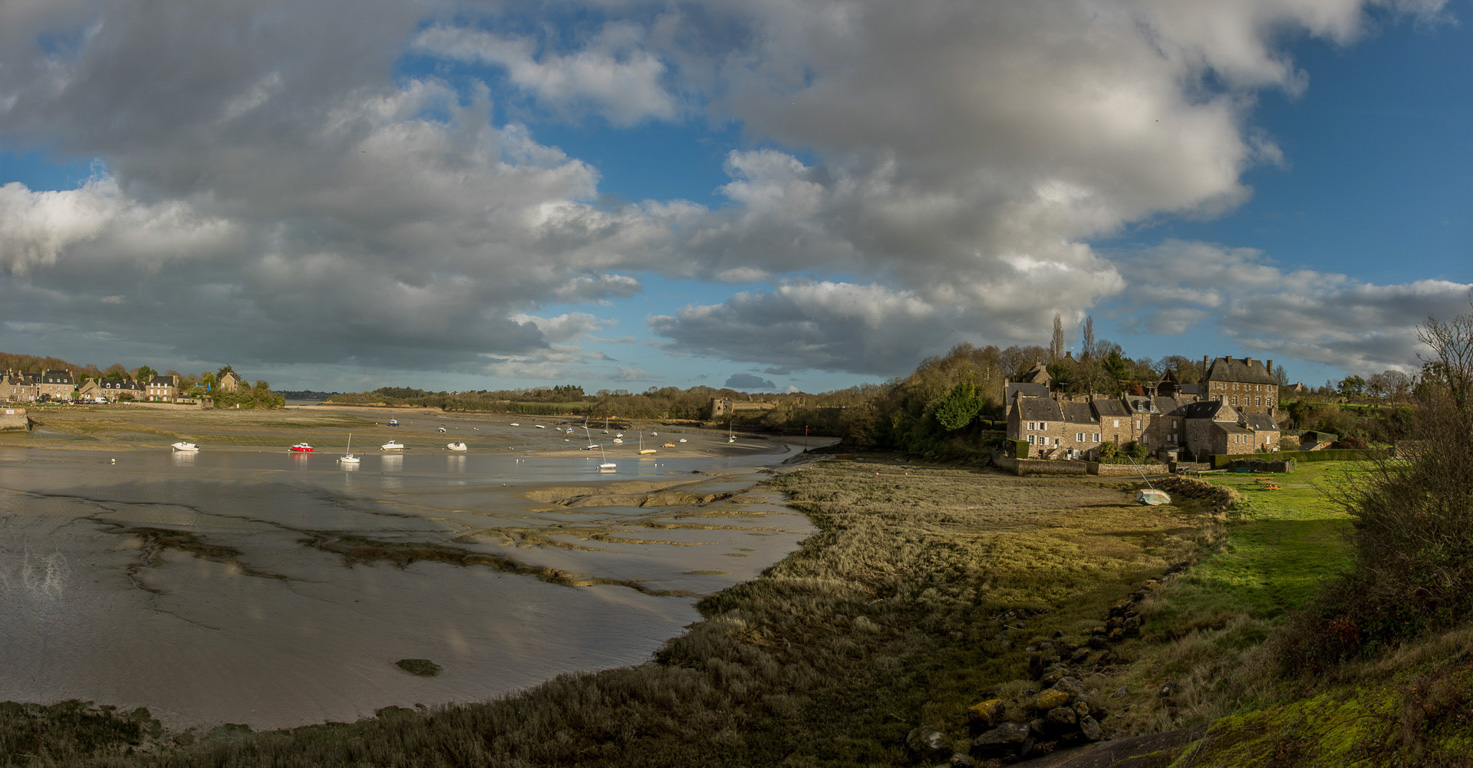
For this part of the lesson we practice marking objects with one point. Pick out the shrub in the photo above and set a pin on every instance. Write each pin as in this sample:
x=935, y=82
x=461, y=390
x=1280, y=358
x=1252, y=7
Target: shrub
x=1109, y=450
x=1413, y=526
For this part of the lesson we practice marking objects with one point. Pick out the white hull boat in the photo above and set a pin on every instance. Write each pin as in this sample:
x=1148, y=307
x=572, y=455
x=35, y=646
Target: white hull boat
x=185, y=447
x=392, y=445
x=348, y=457
x=455, y=446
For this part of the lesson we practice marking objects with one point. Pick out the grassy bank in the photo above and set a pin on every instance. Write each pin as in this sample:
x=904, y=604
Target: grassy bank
x=919, y=595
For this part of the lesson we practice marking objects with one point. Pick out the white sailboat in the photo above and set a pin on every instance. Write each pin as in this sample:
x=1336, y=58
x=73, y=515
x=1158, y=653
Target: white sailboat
x=607, y=466
x=348, y=457
x=730, y=436
x=643, y=451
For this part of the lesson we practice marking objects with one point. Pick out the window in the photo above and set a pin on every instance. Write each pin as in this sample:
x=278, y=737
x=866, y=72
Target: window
x=1030, y=426
x=1097, y=437
x=1137, y=423
x=1043, y=425
x=1117, y=423
x=1078, y=437
x=1258, y=401
x=1031, y=440
x=1058, y=440
x=1235, y=399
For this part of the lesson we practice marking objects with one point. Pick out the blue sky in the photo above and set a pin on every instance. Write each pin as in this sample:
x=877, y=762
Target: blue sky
x=808, y=195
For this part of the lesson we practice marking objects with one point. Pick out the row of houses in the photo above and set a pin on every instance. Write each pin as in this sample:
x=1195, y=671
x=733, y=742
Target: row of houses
x=61, y=386
x=1233, y=410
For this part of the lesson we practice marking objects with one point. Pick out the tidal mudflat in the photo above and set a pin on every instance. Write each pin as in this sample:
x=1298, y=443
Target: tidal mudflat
x=248, y=585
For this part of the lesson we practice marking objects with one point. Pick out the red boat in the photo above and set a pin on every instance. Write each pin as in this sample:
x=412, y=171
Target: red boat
x=301, y=448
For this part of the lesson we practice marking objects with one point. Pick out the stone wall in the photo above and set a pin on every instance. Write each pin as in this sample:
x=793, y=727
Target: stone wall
x=1026, y=467
x=1123, y=470
x=14, y=419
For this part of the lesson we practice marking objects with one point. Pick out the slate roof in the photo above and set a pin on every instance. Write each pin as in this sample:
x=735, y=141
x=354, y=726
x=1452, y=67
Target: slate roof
x=1260, y=422
x=58, y=377
x=1039, y=409
x=162, y=380
x=1028, y=390
x=1191, y=389
x=1170, y=405
x=1139, y=404
x=1038, y=374
x=1232, y=429
x=1240, y=369
x=1110, y=409
x=117, y=384
x=1078, y=413
x=1207, y=409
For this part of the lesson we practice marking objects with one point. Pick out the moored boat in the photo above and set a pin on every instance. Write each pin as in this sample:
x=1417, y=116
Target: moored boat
x=455, y=446
x=184, y=446
x=348, y=457
x=392, y=445
x=301, y=448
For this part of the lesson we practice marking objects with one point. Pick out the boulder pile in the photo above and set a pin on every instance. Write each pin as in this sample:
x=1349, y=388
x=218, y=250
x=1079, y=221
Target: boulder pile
x=1218, y=498
x=1057, y=710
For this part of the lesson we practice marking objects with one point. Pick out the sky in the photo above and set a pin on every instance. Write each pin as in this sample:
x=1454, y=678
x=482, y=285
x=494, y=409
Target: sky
x=778, y=195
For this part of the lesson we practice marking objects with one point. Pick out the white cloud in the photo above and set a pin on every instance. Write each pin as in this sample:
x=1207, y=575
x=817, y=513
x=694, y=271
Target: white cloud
x=613, y=74
x=1322, y=317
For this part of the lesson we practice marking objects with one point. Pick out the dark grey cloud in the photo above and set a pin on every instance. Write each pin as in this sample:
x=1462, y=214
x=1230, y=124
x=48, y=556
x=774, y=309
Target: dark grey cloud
x=747, y=381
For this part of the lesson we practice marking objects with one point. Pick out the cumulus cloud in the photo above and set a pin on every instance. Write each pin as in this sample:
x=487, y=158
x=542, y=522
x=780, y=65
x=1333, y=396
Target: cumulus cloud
x=613, y=73
x=1322, y=317
x=274, y=187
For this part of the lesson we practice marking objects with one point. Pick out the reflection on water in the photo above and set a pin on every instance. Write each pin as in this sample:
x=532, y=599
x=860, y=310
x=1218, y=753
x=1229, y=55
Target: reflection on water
x=300, y=635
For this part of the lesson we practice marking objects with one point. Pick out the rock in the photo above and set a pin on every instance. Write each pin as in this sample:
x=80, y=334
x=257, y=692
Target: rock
x=959, y=760
x=1081, y=654
x=1090, y=728
x=999, y=741
x=928, y=744
x=1061, y=719
x=1053, y=674
x=1117, y=634
x=985, y=715
x=1071, y=686
x=1051, y=698
x=1168, y=690
x=1121, y=691
x=1098, y=642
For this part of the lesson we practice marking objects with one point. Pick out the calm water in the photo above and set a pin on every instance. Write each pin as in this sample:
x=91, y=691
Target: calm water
x=285, y=634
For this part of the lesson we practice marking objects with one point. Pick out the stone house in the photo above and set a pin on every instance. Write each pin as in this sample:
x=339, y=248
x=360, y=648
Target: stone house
x=1265, y=431
x=725, y=406
x=163, y=388
x=90, y=390
x=56, y=385
x=229, y=382
x=1081, y=430
x=17, y=388
x=120, y=389
x=1115, y=421
x=1246, y=384
x=1040, y=422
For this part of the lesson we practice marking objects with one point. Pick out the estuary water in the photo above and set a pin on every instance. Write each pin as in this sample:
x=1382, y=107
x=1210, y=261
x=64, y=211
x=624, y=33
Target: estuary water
x=276, y=589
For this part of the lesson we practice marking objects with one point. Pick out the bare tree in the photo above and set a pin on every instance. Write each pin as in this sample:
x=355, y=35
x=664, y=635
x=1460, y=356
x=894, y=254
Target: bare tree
x=1056, y=344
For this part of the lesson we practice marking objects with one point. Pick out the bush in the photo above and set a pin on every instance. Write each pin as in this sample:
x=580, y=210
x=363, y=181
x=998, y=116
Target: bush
x=1109, y=450
x=1413, y=526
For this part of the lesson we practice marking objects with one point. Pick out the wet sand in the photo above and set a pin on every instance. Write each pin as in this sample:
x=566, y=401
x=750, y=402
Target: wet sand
x=245, y=584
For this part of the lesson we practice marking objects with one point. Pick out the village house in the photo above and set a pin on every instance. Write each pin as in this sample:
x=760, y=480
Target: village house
x=1040, y=422
x=1081, y=430
x=55, y=385
x=163, y=388
x=116, y=390
x=229, y=382
x=17, y=388
x=1246, y=384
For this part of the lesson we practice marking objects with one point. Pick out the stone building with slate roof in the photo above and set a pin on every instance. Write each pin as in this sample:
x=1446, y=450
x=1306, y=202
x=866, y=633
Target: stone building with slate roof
x=1246, y=384
x=1039, y=421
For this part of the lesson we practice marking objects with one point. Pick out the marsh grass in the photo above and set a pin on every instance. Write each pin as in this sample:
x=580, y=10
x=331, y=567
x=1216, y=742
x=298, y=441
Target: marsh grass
x=917, y=595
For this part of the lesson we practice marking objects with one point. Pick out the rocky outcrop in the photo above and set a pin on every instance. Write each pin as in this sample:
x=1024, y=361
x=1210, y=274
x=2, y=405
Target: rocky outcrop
x=1217, y=498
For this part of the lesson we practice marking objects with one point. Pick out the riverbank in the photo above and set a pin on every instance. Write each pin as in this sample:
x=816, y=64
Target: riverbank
x=918, y=597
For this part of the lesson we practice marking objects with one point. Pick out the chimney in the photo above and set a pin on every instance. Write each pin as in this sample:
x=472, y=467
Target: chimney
x=1204, y=365
x=1270, y=367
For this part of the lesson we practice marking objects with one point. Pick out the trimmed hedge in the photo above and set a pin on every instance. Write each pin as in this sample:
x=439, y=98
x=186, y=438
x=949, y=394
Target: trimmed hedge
x=1020, y=448
x=1220, y=460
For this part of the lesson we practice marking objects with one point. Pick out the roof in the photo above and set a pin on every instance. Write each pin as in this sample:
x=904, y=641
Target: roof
x=1038, y=374
x=1028, y=390
x=1231, y=428
x=1078, y=413
x=164, y=380
x=1140, y=404
x=1170, y=404
x=1039, y=409
x=1207, y=409
x=1110, y=409
x=1191, y=389
x=1260, y=422
x=1240, y=369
